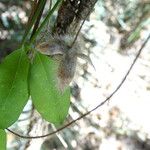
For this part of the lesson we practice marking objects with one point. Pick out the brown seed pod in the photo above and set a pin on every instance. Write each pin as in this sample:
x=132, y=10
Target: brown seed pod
x=59, y=46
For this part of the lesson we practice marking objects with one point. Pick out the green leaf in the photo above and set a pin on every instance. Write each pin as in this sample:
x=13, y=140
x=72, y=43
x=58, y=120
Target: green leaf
x=13, y=87
x=51, y=103
x=2, y=140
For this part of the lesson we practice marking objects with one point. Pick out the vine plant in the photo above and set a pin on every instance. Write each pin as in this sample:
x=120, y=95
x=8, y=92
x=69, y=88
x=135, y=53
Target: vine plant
x=26, y=72
x=22, y=76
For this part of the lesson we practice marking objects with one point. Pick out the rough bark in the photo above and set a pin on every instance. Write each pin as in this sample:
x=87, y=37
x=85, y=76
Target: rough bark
x=71, y=13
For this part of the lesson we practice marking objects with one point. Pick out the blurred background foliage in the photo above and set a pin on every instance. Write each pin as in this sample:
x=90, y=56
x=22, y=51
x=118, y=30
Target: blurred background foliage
x=129, y=17
x=13, y=19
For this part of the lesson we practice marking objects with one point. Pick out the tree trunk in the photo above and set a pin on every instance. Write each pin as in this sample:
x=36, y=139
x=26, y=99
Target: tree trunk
x=71, y=13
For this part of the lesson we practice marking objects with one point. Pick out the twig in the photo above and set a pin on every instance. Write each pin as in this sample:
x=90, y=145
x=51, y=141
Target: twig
x=38, y=19
x=29, y=24
x=87, y=113
x=50, y=12
x=79, y=30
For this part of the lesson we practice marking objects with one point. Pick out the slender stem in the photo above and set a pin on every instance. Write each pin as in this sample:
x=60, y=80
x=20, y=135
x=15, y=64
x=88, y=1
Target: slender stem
x=34, y=6
x=38, y=20
x=45, y=21
x=34, y=17
x=80, y=29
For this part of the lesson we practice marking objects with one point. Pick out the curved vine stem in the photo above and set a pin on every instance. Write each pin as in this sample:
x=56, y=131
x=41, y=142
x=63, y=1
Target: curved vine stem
x=90, y=111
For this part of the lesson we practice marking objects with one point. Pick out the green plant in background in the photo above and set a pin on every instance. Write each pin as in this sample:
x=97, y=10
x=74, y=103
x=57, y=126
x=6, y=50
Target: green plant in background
x=136, y=33
x=21, y=77
x=13, y=86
